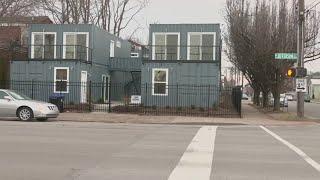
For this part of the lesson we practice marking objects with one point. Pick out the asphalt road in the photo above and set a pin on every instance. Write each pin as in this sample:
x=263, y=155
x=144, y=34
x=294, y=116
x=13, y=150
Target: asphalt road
x=312, y=110
x=94, y=151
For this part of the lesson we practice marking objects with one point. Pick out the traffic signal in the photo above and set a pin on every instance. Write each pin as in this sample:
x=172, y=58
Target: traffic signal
x=291, y=72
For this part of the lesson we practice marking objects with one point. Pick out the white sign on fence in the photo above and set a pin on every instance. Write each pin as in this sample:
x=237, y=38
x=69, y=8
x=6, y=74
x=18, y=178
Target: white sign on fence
x=135, y=99
x=301, y=85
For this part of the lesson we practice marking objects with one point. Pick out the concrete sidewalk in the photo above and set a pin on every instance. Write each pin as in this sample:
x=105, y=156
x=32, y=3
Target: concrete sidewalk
x=251, y=116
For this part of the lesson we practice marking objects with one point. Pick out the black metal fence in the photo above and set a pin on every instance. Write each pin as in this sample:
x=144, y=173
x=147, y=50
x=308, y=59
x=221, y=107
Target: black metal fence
x=185, y=100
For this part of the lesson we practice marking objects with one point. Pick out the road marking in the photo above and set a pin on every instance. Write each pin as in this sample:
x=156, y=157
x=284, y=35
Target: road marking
x=196, y=161
x=303, y=155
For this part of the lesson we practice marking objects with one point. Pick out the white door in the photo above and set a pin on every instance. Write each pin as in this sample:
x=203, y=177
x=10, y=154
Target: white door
x=84, y=79
x=105, y=88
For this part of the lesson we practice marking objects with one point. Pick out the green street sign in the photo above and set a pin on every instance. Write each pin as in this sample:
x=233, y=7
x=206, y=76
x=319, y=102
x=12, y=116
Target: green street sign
x=286, y=56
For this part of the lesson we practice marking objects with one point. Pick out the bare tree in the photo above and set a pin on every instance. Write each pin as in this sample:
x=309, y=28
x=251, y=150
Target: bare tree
x=16, y=7
x=111, y=15
x=256, y=32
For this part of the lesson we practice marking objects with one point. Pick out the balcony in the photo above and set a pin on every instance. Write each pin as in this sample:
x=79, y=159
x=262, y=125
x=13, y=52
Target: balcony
x=125, y=64
x=59, y=53
x=194, y=54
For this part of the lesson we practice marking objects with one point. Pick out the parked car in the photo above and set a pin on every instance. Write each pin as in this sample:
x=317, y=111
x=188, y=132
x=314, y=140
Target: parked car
x=290, y=97
x=15, y=104
x=245, y=97
x=307, y=98
x=283, y=100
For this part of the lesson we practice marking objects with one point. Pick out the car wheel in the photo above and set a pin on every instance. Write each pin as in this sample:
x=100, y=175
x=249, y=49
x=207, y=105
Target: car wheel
x=42, y=119
x=25, y=114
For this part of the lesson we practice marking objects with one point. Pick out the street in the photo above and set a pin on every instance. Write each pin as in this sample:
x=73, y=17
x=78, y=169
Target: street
x=82, y=151
x=311, y=110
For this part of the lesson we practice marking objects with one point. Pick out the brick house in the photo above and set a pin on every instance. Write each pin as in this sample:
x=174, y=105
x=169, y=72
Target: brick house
x=14, y=39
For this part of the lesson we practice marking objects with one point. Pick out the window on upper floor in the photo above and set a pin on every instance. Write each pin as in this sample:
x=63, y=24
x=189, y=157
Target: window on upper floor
x=166, y=46
x=201, y=46
x=76, y=45
x=118, y=44
x=43, y=45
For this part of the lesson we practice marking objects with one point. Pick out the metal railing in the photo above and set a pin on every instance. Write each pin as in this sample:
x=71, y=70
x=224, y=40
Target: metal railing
x=182, y=100
x=132, y=64
x=184, y=52
x=59, y=52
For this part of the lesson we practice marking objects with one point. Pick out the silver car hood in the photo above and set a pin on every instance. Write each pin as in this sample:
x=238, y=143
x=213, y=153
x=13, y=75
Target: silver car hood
x=35, y=102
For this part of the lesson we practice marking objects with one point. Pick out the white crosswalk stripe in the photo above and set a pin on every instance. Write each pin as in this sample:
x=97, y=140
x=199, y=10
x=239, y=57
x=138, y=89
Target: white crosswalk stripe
x=303, y=155
x=196, y=161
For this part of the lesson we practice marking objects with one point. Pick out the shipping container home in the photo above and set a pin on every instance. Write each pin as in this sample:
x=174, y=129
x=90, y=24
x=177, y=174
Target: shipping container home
x=75, y=53
x=182, y=57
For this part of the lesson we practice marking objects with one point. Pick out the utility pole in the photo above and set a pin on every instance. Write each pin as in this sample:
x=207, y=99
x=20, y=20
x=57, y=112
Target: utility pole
x=300, y=95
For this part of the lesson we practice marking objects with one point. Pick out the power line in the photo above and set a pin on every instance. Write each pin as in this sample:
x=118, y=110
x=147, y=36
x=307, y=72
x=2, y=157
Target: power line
x=313, y=2
x=312, y=6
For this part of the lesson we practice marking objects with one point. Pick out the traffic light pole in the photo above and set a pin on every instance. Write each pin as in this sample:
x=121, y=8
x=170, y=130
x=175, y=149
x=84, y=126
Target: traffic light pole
x=300, y=95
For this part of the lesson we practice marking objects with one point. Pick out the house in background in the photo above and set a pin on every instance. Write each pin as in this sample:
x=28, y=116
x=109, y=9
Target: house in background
x=182, y=55
x=14, y=39
x=314, y=88
x=70, y=56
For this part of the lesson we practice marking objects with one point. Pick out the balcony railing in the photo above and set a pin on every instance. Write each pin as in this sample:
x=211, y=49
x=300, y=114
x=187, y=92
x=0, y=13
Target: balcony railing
x=125, y=64
x=60, y=52
x=182, y=52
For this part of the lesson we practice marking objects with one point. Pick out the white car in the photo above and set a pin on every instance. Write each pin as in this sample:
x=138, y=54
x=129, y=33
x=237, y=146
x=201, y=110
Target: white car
x=14, y=104
x=283, y=100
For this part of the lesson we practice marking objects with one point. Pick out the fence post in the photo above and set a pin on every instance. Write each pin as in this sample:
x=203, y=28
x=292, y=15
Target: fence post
x=109, y=97
x=208, y=102
x=32, y=83
x=177, y=97
x=240, y=102
x=90, y=100
x=146, y=95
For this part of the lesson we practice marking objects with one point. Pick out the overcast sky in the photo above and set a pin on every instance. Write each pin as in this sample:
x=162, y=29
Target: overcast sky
x=187, y=11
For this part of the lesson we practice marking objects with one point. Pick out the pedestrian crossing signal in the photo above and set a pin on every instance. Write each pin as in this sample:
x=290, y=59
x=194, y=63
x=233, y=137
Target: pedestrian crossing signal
x=291, y=73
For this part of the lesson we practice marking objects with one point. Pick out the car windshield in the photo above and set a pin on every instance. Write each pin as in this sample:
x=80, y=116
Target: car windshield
x=18, y=96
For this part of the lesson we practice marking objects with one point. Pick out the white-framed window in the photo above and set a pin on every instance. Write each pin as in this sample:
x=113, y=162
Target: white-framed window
x=76, y=45
x=201, y=46
x=43, y=45
x=112, y=48
x=118, y=44
x=160, y=82
x=166, y=46
x=61, y=80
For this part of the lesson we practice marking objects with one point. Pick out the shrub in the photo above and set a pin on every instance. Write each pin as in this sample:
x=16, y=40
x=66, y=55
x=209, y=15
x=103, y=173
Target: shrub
x=100, y=101
x=154, y=107
x=168, y=107
x=193, y=107
x=201, y=109
x=215, y=106
x=71, y=103
x=179, y=108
